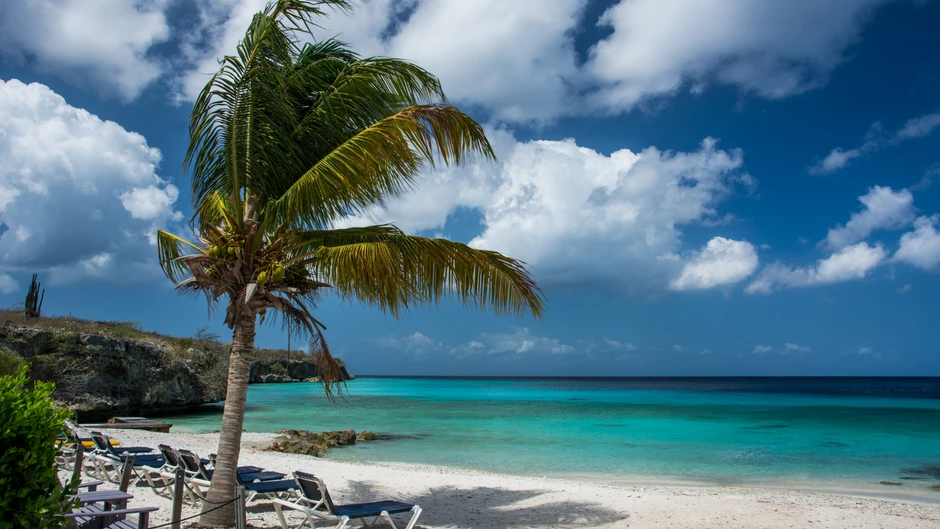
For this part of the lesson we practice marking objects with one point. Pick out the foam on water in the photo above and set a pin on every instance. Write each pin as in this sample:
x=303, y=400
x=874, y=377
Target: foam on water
x=727, y=431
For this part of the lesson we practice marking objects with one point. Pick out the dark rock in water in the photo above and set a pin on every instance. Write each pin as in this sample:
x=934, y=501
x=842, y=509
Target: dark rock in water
x=913, y=478
x=892, y=483
x=836, y=444
x=936, y=487
x=930, y=471
x=366, y=435
x=316, y=444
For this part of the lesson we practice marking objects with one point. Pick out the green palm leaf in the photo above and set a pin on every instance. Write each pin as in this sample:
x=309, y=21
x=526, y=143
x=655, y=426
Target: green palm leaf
x=382, y=266
x=378, y=162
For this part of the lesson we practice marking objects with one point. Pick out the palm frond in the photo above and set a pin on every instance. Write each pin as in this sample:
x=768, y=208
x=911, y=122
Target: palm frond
x=382, y=266
x=171, y=249
x=380, y=161
x=244, y=106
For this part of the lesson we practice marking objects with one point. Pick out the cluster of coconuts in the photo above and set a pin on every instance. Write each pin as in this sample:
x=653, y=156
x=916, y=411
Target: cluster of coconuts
x=223, y=252
x=274, y=273
x=278, y=272
x=229, y=253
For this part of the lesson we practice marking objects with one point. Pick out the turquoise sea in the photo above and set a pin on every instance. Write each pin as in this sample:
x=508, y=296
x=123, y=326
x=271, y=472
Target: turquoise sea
x=843, y=433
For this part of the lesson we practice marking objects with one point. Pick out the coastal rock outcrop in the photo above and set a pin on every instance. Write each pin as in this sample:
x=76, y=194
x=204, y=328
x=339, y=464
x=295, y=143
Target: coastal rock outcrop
x=316, y=444
x=100, y=376
x=279, y=371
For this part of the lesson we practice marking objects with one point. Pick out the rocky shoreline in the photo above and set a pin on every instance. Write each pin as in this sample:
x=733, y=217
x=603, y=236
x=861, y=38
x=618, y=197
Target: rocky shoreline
x=283, y=371
x=98, y=376
x=133, y=373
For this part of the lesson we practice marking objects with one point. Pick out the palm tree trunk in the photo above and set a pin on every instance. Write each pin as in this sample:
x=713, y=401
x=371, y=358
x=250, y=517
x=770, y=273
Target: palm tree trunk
x=223, y=484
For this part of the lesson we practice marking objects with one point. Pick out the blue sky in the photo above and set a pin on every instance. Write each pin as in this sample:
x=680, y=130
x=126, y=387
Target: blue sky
x=701, y=188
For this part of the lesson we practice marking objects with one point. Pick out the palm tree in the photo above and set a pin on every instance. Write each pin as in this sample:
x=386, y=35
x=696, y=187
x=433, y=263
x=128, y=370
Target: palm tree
x=286, y=140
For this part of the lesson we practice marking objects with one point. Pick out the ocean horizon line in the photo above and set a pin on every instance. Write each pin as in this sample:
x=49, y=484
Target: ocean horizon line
x=652, y=377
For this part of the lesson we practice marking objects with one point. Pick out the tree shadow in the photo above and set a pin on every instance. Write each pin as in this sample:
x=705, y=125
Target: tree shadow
x=489, y=507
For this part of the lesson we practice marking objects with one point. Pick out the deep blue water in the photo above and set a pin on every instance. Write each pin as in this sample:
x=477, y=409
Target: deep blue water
x=813, y=431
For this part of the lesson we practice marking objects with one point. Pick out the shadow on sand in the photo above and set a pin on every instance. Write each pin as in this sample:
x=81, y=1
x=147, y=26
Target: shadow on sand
x=483, y=507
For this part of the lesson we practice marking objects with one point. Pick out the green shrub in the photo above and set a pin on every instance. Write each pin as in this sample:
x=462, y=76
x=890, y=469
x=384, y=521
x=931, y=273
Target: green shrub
x=10, y=362
x=30, y=494
x=278, y=369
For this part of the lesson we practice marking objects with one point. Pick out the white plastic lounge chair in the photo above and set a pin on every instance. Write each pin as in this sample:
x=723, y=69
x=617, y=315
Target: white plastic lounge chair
x=79, y=457
x=106, y=447
x=317, y=505
x=257, y=490
x=102, y=467
x=195, y=467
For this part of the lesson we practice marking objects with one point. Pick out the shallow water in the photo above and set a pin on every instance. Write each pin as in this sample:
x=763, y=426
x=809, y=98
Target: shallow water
x=716, y=430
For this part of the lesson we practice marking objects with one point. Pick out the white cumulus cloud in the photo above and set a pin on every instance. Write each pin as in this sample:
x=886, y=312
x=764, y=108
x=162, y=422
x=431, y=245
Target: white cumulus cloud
x=619, y=346
x=875, y=140
x=788, y=347
x=772, y=49
x=884, y=209
x=850, y=263
x=8, y=285
x=921, y=247
x=518, y=59
x=580, y=217
x=763, y=349
x=78, y=195
x=104, y=44
x=722, y=262
x=416, y=342
x=918, y=127
x=515, y=59
x=835, y=160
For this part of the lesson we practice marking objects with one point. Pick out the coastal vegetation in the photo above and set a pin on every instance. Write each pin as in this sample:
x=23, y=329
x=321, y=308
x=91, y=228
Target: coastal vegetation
x=287, y=140
x=30, y=493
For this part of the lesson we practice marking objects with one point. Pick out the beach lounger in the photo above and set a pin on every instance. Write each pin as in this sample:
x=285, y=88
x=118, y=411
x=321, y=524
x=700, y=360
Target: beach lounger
x=258, y=483
x=98, y=466
x=317, y=505
x=104, y=444
x=161, y=479
x=104, y=447
x=76, y=469
x=271, y=490
x=195, y=468
x=268, y=490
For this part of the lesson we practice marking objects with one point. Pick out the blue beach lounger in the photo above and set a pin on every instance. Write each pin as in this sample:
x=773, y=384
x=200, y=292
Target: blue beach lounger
x=317, y=505
x=195, y=468
x=103, y=444
x=270, y=490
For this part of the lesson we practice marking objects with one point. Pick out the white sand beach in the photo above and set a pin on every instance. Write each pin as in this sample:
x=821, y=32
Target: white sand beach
x=454, y=498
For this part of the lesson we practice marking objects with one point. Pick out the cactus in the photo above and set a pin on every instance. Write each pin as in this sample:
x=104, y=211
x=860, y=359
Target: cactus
x=34, y=299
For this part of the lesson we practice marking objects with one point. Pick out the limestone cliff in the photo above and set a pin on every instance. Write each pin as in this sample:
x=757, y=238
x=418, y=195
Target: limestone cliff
x=100, y=376
x=270, y=371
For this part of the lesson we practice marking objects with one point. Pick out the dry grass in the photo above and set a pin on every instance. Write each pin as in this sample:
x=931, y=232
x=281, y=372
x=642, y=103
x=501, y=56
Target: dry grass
x=176, y=346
